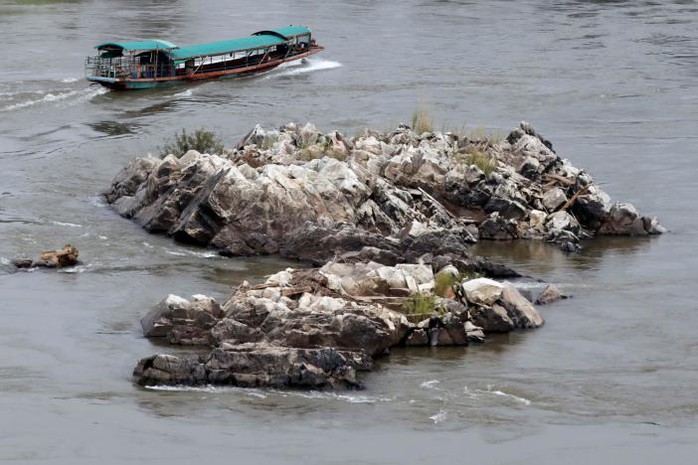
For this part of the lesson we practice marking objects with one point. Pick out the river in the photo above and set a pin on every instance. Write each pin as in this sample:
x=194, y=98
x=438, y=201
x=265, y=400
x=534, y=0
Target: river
x=610, y=378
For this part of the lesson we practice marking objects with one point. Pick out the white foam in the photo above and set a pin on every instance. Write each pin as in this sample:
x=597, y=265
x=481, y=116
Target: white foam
x=75, y=269
x=497, y=392
x=431, y=384
x=191, y=253
x=70, y=225
x=186, y=93
x=176, y=254
x=307, y=66
x=98, y=201
x=209, y=389
x=439, y=417
x=69, y=80
x=57, y=96
x=263, y=394
x=512, y=396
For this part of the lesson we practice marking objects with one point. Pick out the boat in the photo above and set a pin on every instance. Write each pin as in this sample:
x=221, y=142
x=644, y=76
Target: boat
x=148, y=63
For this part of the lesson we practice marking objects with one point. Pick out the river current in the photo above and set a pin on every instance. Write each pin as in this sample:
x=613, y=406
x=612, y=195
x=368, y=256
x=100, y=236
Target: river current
x=610, y=378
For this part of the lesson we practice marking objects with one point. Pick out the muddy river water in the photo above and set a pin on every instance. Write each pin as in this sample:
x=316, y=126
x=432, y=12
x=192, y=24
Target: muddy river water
x=610, y=378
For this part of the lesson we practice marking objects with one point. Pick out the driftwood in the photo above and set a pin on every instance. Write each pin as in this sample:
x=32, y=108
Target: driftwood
x=565, y=181
x=572, y=199
x=295, y=291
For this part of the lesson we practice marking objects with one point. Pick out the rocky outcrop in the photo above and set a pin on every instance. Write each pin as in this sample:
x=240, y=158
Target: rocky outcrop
x=389, y=197
x=357, y=310
x=498, y=307
x=252, y=365
x=549, y=295
x=65, y=257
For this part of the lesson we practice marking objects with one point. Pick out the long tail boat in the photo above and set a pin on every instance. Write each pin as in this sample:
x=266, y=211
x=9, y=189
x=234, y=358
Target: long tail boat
x=148, y=63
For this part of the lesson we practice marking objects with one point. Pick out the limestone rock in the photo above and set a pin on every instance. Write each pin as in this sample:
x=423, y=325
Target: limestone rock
x=554, y=199
x=549, y=295
x=390, y=197
x=482, y=291
x=521, y=312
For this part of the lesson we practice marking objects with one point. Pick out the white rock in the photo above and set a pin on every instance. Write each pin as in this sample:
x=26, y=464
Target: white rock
x=482, y=291
x=554, y=198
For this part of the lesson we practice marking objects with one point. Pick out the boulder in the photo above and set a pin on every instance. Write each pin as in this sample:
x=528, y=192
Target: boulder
x=492, y=319
x=498, y=228
x=549, y=295
x=482, y=291
x=183, y=321
x=554, y=199
x=624, y=219
x=520, y=310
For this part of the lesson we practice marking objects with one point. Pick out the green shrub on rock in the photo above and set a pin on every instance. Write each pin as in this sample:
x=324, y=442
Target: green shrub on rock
x=201, y=140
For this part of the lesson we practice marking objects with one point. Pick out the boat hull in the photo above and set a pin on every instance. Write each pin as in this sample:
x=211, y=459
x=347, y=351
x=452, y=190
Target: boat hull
x=140, y=84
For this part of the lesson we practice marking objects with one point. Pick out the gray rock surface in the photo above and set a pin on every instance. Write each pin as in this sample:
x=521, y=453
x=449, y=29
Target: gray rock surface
x=252, y=365
x=394, y=195
x=549, y=295
x=356, y=310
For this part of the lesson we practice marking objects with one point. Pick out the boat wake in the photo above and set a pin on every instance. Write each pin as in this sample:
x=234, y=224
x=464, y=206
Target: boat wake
x=308, y=65
x=24, y=98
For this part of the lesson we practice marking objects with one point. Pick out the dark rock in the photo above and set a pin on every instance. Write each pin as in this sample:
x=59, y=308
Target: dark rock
x=252, y=365
x=418, y=337
x=182, y=321
x=498, y=228
x=67, y=256
x=492, y=319
x=22, y=263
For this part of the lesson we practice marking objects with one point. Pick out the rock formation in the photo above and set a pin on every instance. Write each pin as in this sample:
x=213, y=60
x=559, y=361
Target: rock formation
x=379, y=214
x=315, y=327
x=389, y=197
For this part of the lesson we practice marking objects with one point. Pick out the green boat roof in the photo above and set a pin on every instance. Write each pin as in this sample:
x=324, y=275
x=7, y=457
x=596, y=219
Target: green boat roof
x=260, y=39
x=287, y=31
x=224, y=46
x=138, y=45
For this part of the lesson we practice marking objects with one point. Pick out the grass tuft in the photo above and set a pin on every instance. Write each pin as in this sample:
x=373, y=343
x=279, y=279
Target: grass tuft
x=443, y=284
x=201, y=140
x=419, y=306
x=487, y=163
x=422, y=120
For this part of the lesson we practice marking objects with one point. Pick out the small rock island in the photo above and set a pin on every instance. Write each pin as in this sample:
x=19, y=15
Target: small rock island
x=381, y=224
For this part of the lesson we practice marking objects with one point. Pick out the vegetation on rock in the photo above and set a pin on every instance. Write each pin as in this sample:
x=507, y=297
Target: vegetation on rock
x=201, y=140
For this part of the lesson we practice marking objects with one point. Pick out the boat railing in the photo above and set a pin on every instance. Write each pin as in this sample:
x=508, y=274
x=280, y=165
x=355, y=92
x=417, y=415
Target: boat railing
x=125, y=68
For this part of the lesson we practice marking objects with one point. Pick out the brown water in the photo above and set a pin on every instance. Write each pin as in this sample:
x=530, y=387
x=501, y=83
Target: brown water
x=611, y=378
